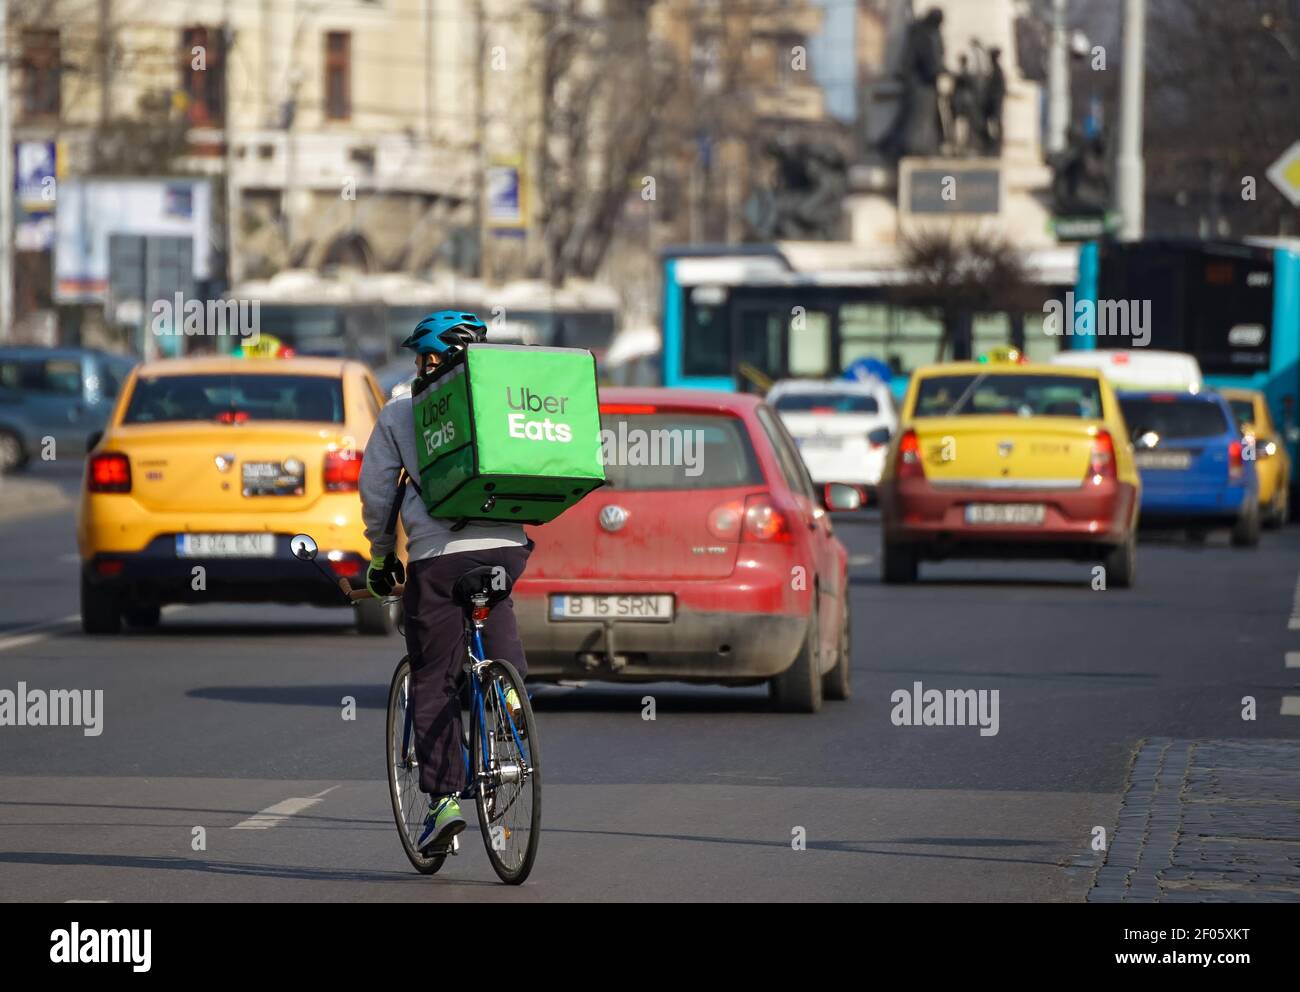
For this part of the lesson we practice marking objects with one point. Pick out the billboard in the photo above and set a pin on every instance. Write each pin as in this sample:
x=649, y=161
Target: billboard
x=35, y=171
x=92, y=210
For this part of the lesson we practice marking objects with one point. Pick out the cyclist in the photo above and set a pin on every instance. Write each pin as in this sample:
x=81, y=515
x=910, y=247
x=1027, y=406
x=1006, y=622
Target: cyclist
x=438, y=556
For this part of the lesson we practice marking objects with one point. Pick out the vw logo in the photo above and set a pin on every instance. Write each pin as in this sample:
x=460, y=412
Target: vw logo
x=613, y=517
x=1005, y=448
x=224, y=462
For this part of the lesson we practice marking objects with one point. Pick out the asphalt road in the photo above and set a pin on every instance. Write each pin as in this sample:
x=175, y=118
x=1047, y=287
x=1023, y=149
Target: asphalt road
x=227, y=711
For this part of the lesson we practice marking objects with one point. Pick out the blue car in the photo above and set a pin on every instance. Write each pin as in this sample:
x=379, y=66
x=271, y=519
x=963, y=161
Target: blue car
x=1196, y=473
x=64, y=394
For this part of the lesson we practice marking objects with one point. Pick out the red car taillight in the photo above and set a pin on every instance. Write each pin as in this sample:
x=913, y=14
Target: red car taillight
x=109, y=472
x=909, y=456
x=342, y=471
x=347, y=568
x=1101, y=461
x=1236, y=464
x=725, y=520
x=763, y=521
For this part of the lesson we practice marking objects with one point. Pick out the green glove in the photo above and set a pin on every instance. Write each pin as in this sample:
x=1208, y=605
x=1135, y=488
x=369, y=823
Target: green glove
x=383, y=574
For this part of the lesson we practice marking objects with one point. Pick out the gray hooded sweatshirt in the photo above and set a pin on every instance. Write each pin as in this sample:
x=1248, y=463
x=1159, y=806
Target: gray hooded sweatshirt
x=392, y=446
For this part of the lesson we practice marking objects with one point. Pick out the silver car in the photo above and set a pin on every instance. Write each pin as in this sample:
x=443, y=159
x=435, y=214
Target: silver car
x=62, y=394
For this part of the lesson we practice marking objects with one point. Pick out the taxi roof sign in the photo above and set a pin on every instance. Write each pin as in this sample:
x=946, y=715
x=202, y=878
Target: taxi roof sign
x=266, y=346
x=1285, y=174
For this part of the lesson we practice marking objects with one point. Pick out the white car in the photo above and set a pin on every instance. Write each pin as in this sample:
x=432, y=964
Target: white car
x=843, y=428
x=1137, y=371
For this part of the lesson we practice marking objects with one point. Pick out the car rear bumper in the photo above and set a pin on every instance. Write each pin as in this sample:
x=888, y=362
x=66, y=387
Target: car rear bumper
x=697, y=646
x=1177, y=507
x=157, y=575
x=917, y=512
x=113, y=523
x=858, y=463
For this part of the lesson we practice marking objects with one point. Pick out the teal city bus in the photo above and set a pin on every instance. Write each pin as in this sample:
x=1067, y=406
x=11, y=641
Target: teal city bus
x=1234, y=306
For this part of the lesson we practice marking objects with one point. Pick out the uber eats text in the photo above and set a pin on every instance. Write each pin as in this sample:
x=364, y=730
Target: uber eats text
x=527, y=401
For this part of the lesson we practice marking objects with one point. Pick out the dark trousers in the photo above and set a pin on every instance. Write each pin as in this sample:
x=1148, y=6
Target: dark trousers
x=436, y=645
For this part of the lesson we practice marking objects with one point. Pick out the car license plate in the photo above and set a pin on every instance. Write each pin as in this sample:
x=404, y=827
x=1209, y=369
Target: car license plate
x=1031, y=514
x=273, y=478
x=822, y=442
x=1165, y=460
x=643, y=608
x=225, y=545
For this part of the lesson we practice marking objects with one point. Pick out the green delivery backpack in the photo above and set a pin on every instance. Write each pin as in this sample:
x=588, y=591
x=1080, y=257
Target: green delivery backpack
x=508, y=433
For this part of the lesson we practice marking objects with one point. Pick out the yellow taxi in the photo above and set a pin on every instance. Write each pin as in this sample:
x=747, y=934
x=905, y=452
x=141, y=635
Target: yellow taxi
x=205, y=470
x=1010, y=460
x=1272, y=461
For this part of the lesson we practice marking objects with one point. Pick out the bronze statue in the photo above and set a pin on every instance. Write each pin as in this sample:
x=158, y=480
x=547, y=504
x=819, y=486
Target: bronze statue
x=918, y=128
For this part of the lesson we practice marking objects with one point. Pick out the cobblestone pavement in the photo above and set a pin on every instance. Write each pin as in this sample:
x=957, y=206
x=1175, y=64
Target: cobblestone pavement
x=1207, y=821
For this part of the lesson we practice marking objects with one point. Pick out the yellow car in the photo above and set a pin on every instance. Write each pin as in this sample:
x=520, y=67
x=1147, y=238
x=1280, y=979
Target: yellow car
x=1272, y=462
x=205, y=470
x=1005, y=460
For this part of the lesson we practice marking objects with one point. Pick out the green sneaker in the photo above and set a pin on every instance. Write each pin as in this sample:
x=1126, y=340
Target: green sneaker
x=441, y=824
x=516, y=710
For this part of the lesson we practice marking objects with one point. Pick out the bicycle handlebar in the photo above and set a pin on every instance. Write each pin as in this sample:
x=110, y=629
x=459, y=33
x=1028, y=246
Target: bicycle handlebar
x=364, y=593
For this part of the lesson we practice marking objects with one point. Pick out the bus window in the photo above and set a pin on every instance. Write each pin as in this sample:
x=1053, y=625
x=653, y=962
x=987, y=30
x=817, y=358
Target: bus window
x=760, y=341
x=864, y=328
x=1040, y=346
x=915, y=338
x=809, y=351
x=706, y=348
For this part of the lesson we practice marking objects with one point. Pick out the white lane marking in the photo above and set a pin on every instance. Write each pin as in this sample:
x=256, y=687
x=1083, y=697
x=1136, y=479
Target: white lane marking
x=861, y=559
x=87, y=900
x=1291, y=705
x=1293, y=659
x=43, y=631
x=36, y=632
x=273, y=816
x=1294, y=623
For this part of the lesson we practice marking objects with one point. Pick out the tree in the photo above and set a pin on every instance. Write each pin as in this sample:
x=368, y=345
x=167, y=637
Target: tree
x=603, y=92
x=957, y=277
x=1223, y=102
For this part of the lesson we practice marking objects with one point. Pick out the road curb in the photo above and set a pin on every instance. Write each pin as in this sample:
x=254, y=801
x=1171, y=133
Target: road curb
x=1194, y=820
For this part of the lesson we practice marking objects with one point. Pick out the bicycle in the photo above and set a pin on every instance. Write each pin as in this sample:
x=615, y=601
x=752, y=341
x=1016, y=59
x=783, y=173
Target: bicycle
x=502, y=760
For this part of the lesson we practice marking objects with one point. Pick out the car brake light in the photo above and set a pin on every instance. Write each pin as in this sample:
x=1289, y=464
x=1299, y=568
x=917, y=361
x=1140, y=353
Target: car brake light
x=1101, y=461
x=628, y=408
x=346, y=568
x=725, y=519
x=342, y=471
x=109, y=566
x=1236, y=464
x=232, y=417
x=763, y=521
x=110, y=472
x=909, y=456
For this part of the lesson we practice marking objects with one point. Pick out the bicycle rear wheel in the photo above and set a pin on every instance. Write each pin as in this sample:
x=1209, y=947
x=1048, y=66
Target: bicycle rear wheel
x=509, y=794
x=409, y=803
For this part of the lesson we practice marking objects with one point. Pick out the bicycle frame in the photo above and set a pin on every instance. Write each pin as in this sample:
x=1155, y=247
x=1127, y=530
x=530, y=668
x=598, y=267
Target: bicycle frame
x=474, y=667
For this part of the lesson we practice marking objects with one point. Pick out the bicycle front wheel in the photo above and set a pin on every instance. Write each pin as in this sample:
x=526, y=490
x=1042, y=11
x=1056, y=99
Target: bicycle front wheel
x=509, y=775
x=409, y=803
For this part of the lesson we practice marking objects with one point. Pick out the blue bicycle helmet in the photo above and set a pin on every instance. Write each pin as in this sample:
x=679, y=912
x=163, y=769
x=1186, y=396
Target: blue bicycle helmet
x=441, y=331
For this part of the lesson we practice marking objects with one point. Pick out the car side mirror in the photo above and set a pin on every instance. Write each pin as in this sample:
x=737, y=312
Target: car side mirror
x=92, y=439
x=879, y=437
x=839, y=497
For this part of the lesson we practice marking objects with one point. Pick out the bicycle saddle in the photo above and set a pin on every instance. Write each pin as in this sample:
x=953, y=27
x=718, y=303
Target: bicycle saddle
x=491, y=581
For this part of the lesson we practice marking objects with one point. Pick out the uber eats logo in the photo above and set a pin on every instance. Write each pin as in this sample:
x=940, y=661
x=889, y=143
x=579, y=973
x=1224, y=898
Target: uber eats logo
x=437, y=430
x=528, y=402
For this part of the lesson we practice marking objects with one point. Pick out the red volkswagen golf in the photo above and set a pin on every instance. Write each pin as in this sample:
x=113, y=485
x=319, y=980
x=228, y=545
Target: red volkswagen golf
x=709, y=557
